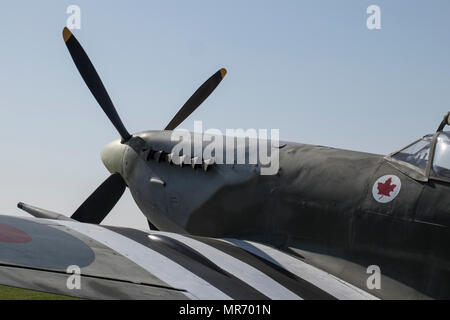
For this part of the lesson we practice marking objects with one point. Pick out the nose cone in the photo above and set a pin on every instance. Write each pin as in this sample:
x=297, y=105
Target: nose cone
x=112, y=156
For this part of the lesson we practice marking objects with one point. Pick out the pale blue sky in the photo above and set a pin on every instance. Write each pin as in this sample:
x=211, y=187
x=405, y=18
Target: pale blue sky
x=310, y=68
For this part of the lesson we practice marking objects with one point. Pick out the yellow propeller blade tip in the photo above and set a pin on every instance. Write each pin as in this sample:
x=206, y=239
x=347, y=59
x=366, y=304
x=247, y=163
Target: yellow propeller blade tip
x=66, y=34
x=223, y=72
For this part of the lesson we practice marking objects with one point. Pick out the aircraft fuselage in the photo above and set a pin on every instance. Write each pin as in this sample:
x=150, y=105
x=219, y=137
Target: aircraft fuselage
x=319, y=205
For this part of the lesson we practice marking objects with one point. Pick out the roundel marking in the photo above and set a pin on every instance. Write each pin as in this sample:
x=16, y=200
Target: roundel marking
x=386, y=188
x=33, y=244
x=10, y=234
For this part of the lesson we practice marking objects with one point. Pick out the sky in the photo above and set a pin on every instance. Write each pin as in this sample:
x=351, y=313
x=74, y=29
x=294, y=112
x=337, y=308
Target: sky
x=311, y=69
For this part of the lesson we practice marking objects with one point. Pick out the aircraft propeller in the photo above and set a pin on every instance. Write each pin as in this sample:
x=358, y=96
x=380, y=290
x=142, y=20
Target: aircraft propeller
x=105, y=197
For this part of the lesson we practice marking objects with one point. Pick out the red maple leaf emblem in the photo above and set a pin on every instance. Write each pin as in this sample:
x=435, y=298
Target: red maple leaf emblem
x=385, y=189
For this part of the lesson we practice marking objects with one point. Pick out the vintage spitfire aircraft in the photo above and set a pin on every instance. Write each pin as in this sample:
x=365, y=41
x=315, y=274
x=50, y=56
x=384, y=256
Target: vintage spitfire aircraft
x=224, y=231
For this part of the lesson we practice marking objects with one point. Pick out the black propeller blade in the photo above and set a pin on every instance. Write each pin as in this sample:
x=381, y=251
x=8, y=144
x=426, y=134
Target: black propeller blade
x=92, y=80
x=101, y=201
x=197, y=98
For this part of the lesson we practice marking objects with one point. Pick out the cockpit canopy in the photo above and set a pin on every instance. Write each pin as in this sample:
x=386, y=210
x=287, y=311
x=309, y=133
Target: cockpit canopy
x=429, y=155
x=441, y=159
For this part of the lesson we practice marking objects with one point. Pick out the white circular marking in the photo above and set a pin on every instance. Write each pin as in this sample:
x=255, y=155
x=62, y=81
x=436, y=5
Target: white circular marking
x=386, y=188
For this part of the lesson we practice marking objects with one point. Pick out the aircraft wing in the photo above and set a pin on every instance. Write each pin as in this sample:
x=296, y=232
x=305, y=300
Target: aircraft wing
x=122, y=263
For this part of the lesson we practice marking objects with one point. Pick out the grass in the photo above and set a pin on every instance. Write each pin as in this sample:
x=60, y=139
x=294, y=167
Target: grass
x=12, y=293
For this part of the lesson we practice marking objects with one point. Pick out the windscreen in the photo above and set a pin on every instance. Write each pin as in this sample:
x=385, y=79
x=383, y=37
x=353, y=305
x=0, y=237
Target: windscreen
x=416, y=154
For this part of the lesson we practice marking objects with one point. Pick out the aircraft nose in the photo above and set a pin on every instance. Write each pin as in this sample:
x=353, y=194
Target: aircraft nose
x=112, y=156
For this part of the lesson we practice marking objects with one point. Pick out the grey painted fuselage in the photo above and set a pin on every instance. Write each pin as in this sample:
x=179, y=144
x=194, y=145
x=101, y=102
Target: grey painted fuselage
x=318, y=206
